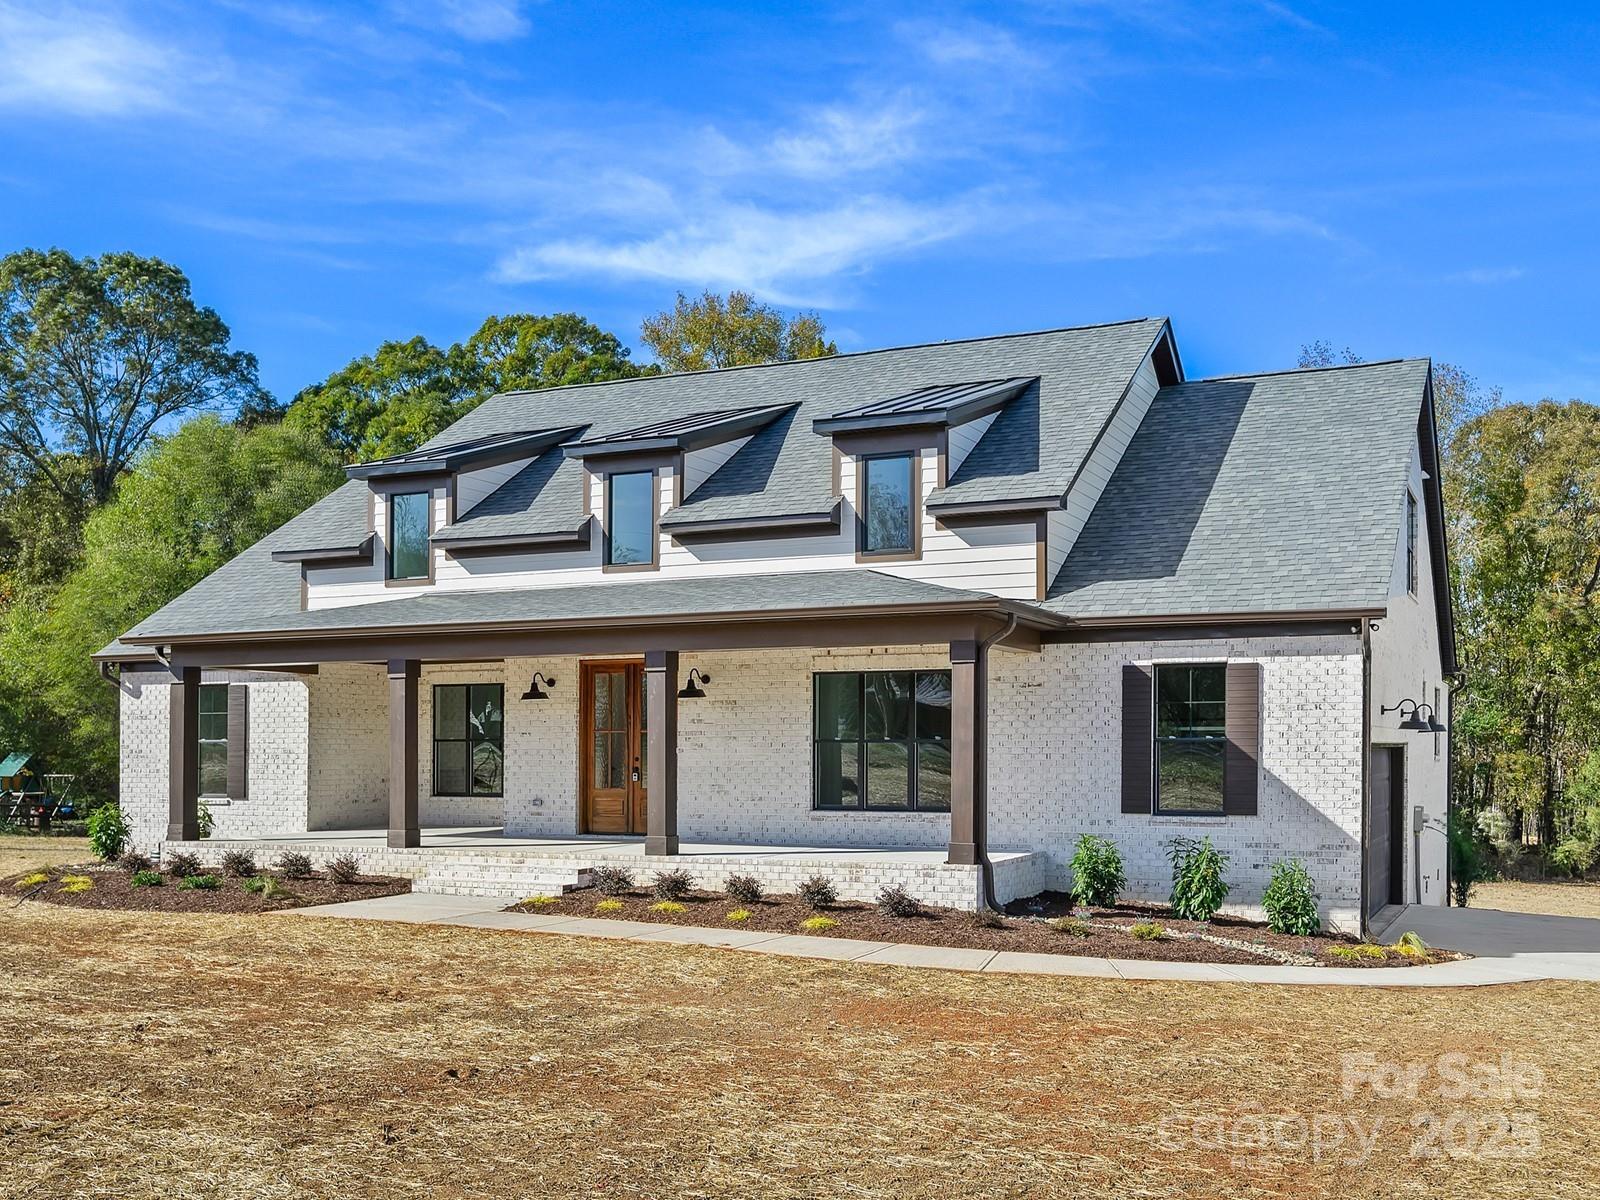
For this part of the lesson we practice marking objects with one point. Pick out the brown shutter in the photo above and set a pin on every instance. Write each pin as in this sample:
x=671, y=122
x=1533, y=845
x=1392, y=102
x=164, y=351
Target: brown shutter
x=238, y=741
x=1241, y=764
x=1137, y=738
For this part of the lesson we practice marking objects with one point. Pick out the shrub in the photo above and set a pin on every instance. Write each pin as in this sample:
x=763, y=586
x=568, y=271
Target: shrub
x=33, y=879
x=1097, y=875
x=986, y=918
x=611, y=881
x=1572, y=856
x=241, y=864
x=542, y=901
x=667, y=906
x=746, y=889
x=1147, y=931
x=257, y=883
x=1071, y=926
x=145, y=879
x=271, y=889
x=1198, y=888
x=206, y=822
x=199, y=883
x=133, y=862
x=1471, y=862
x=72, y=885
x=895, y=901
x=294, y=865
x=819, y=892
x=609, y=906
x=1410, y=945
x=817, y=924
x=1290, y=900
x=345, y=869
x=181, y=863
x=108, y=832
x=738, y=915
x=672, y=885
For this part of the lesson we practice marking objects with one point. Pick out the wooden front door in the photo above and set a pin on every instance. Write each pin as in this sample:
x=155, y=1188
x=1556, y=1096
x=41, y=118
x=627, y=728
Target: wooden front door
x=613, y=737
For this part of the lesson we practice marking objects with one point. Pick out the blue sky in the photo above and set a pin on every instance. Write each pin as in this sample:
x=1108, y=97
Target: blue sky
x=1404, y=179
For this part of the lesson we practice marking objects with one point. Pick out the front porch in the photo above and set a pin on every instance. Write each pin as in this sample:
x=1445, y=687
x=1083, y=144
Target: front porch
x=485, y=861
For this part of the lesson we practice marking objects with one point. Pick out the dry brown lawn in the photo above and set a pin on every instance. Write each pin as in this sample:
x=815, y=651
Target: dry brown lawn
x=1562, y=898
x=175, y=1056
x=19, y=852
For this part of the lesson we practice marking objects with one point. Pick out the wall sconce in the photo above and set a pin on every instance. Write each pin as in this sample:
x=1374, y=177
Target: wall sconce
x=691, y=690
x=1412, y=718
x=535, y=692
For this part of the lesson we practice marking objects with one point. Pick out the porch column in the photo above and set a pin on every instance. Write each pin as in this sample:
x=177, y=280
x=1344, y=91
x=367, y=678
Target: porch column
x=403, y=825
x=969, y=818
x=183, y=801
x=661, y=793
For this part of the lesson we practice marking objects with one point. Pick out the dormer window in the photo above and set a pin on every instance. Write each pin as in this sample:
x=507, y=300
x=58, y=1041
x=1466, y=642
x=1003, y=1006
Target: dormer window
x=631, y=519
x=409, y=527
x=888, y=504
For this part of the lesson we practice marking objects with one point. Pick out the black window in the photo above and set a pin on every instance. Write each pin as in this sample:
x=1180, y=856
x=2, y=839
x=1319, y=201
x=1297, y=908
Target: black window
x=882, y=741
x=408, y=535
x=1191, y=724
x=468, y=739
x=887, y=509
x=1411, y=543
x=631, y=518
x=213, y=731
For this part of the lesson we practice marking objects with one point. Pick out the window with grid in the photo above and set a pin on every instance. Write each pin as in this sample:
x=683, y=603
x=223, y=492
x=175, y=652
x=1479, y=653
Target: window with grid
x=882, y=741
x=1191, y=730
x=468, y=739
x=213, y=730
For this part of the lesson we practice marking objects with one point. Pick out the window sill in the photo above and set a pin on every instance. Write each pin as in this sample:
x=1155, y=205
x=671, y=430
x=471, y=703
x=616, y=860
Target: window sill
x=880, y=812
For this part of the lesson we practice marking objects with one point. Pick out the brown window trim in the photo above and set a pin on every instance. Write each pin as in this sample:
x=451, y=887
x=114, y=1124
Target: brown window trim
x=914, y=554
x=608, y=567
x=412, y=487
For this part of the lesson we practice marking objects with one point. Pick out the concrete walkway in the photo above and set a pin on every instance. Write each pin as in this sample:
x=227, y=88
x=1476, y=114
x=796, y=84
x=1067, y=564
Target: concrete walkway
x=1505, y=945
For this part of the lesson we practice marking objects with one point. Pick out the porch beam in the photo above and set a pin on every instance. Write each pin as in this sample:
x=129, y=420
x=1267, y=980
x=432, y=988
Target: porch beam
x=969, y=818
x=661, y=794
x=183, y=802
x=404, y=824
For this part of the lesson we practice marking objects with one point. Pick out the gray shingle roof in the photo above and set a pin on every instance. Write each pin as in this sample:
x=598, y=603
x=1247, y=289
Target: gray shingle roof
x=1262, y=493
x=716, y=596
x=545, y=497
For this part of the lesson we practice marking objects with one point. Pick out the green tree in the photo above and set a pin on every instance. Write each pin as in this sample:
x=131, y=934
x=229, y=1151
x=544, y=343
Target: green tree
x=405, y=393
x=96, y=354
x=708, y=333
x=193, y=501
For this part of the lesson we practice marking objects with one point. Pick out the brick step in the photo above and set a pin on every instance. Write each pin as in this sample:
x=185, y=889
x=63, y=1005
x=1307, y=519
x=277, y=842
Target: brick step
x=459, y=878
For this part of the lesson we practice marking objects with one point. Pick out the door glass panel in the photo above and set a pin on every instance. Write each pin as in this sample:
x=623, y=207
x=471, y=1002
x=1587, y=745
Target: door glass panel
x=644, y=760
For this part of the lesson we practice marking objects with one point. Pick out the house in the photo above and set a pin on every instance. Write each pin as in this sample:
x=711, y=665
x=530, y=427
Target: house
x=922, y=615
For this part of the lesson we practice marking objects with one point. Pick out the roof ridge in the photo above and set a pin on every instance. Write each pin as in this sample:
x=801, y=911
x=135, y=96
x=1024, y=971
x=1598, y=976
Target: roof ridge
x=794, y=362
x=1380, y=362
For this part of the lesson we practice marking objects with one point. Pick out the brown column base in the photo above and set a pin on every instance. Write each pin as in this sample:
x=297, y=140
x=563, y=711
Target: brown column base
x=661, y=845
x=183, y=833
x=962, y=854
x=402, y=839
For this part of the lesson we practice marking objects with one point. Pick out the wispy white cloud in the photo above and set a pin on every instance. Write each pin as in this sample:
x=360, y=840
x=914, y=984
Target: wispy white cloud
x=474, y=20
x=837, y=140
x=968, y=44
x=75, y=60
x=1486, y=275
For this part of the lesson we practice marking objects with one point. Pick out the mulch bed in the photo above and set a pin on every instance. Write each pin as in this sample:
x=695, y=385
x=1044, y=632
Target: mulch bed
x=1022, y=930
x=113, y=888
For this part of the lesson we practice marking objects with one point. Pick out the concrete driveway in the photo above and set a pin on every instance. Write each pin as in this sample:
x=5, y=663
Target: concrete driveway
x=1552, y=947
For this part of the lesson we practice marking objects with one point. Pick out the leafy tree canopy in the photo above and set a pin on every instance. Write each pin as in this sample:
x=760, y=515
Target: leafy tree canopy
x=402, y=395
x=710, y=332
x=95, y=354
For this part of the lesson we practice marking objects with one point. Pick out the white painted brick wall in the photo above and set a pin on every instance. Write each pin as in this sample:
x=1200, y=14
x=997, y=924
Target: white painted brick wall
x=348, y=763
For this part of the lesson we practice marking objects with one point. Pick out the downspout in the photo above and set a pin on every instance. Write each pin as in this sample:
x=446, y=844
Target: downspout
x=1457, y=682
x=1366, y=767
x=980, y=832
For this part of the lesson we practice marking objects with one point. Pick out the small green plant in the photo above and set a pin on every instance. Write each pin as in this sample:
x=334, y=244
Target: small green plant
x=1410, y=945
x=33, y=879
x=257, y=884
x=668, y=906
x=73, y=885
x=133, y=862
x=199, y=883
x=108, y=832
x=1291, y=901
x=1071, y=926
x=1471, y=862
x=541, y=901
x=1357, y=951
x=818, y=892
x=205, y=821
x=609, y=906
x=986, y=918
x=240, y=864
x=145, y=879
x=181, y=863
x=294, y=865
x=271, y=889
x=1198, y=888
x=895, y=901
x=1147, y=931
x=344, y=870
x=738, y=916
x=611, y=881
x=672, y=885
x=1097, y=875
x=746, y=889
x=818, y=924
